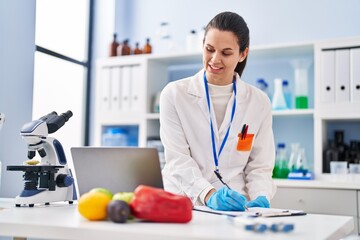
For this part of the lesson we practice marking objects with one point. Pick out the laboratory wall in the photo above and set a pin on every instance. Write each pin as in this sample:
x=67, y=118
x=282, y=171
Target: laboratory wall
x=17, y=46
x=270, y=22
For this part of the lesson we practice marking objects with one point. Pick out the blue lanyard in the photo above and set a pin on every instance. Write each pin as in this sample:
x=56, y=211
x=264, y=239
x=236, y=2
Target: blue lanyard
x=216, y=156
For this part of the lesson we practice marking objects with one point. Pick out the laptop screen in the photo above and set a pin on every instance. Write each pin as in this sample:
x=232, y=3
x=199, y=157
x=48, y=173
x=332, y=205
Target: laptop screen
x=119, y=169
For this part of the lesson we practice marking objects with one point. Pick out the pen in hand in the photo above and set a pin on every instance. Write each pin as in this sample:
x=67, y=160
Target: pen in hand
x=220, y=178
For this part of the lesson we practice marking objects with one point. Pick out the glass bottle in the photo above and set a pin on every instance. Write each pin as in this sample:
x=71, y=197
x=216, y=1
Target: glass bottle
x=287, y=94
x=339, y=144
x=124, y=48
x=331, y=153
x=301, y=162
x=281, y=169
x=293, y=156
x=191, y=42
x=137, y=50
x=147, y=47
x=278, y=100
x=113, y=47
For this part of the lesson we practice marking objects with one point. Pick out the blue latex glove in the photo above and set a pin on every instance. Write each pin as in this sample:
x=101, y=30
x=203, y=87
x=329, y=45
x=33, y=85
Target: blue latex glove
x=226, y=200
x=260, y=201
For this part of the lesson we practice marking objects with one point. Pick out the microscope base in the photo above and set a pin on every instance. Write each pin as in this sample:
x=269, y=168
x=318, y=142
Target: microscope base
x=46, y=197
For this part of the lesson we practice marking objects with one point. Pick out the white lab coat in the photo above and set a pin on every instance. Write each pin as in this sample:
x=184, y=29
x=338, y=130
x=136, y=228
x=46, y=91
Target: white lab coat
x=185, y=134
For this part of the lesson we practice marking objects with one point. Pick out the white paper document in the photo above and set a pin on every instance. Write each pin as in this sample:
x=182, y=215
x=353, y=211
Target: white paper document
x=253, y=212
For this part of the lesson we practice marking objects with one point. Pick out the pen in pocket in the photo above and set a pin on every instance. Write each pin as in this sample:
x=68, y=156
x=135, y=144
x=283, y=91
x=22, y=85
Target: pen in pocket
x=244, y=131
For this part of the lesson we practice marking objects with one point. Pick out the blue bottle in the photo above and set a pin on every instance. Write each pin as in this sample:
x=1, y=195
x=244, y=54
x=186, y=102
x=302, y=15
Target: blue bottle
x=263, y=86
x=287, y=94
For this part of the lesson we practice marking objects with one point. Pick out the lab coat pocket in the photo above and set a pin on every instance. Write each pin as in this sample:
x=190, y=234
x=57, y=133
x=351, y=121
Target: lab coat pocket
x=245, y=144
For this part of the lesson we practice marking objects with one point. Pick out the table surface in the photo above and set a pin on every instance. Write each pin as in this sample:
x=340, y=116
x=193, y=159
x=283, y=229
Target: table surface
x=329, y=181
x=62, y=221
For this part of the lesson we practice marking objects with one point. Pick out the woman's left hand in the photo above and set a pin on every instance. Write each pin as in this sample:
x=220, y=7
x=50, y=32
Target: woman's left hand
x=260, y=201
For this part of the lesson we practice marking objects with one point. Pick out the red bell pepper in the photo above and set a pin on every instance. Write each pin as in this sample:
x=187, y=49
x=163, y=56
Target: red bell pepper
x=156, y=205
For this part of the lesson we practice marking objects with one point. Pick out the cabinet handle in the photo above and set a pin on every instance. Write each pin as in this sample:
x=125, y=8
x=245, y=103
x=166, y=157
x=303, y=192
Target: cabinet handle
x=300, y=200
x=135, y=97
x=125, y=98
x=115, y=98
x=105, y=99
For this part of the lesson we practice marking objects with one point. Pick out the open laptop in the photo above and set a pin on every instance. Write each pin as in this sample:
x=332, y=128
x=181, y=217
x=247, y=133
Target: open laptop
x=119, y=169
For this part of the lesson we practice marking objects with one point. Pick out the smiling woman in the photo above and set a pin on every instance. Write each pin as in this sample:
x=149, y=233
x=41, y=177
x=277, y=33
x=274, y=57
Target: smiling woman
x=207, y=119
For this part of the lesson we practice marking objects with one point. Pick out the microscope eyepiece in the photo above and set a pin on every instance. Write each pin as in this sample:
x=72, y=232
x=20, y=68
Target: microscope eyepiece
x=57, y=122
x=67, y=115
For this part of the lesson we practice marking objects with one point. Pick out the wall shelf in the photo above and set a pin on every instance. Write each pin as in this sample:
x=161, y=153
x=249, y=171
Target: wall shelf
x=154, y=71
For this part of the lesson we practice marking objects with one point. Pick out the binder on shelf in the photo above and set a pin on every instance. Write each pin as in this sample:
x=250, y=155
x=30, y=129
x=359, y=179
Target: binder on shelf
x=125, y=88
x=105, y=89
x=355, y=75
x=327, y=82
x=115, y=86
x=342, y=76
x=136, y=91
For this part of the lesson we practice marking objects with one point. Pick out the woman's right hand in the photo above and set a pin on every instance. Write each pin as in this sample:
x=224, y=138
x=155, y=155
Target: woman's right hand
x=225, y=199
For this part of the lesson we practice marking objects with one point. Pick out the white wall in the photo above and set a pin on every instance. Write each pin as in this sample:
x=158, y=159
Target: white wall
x=17, y=46
x=270, y=22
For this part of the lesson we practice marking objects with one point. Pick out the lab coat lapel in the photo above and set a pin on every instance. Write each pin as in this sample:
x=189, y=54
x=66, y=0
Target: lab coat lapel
x=197, y=89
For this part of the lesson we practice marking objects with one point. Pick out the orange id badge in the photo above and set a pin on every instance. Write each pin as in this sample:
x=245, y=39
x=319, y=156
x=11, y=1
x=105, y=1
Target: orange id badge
x=246, y=143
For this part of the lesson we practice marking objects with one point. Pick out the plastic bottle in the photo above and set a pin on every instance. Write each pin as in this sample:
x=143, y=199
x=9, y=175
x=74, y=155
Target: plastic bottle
x=263, y=86
x=137, y=50
x=301, y=82
x=287, y=94
x=113, y=47
x=147, y=47
x=191, y=42
x=163, y=43
x=201, y=38
x=281, y=169
x=278, y=100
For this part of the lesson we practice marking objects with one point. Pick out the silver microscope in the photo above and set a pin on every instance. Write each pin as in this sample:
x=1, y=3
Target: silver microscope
x=48, y=180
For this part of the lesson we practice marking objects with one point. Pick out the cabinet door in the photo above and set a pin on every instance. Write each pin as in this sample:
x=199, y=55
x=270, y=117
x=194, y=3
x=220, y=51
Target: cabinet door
x=104, y=86
x=321, y=201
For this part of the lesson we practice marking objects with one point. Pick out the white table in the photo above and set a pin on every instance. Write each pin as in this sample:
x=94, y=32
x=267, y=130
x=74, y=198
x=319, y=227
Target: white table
x=62, y=221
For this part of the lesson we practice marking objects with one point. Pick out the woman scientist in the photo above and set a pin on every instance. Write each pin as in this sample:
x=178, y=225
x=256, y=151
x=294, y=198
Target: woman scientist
x=217, y=129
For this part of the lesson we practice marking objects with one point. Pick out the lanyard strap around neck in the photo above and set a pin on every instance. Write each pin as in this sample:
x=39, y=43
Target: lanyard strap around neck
x=216, y=156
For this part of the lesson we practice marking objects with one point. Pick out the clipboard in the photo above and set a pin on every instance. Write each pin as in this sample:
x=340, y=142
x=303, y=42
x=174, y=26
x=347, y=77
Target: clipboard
x=253, y=212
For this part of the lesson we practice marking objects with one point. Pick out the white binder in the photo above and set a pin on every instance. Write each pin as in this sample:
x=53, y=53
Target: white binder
x=137, y=87
x=355, y=75
x=125, y=88
x=115, y=102
x=342, y=76
x=327, y=80
x=105, y=89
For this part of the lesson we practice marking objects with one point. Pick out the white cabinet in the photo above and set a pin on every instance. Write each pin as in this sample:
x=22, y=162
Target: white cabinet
x=337, y=75
x=320, y=201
